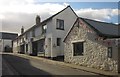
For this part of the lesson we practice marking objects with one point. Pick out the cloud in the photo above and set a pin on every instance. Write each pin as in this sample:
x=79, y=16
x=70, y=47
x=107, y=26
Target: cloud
x=29, y=6
x=66, y=4
x=17, y=13
x=116, y=23
x=15, y=21
x=97, y=14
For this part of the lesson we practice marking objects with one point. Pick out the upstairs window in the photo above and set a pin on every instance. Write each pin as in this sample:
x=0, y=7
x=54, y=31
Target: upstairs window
x=78, y=48
x=60, y=24
x=22, y=39
x=110, y=52
x=58, y=41
x=26, y=36
x=33, y=33
x=44, y=28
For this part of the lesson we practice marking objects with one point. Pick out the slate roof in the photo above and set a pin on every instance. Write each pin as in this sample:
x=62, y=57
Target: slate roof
x=103, y=29
x=6, y=35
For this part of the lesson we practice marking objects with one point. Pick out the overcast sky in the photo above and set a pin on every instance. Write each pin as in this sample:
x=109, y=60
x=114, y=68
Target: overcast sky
x=17, y=13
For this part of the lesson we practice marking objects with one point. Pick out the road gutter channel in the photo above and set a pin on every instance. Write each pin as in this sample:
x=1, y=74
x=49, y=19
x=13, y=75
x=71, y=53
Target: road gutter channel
x=92, y=70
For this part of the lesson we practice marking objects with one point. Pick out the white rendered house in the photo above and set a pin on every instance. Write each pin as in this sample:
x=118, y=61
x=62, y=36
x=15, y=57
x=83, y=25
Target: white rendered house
x=46, y=36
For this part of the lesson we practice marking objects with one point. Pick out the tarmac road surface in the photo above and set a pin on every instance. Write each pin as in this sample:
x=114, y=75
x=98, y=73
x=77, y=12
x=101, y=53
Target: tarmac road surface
x=27, y=66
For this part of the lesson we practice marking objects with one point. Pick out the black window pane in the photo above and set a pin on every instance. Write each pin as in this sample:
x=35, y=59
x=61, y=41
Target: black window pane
x=110, y=52
x=60, y=24
x=26, y=47
x=58, y=41
x=33, y=33
x=78, y=48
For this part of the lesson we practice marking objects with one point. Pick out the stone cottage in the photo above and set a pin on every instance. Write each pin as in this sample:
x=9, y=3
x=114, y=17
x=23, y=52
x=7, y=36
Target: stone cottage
x=92, y=44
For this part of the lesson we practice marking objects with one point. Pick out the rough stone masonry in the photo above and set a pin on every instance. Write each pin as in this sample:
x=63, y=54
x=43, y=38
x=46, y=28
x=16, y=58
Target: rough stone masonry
x=95, y=53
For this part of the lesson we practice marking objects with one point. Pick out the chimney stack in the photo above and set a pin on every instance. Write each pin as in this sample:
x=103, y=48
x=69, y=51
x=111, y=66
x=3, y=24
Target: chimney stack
x=22, y=30
x=38, y=20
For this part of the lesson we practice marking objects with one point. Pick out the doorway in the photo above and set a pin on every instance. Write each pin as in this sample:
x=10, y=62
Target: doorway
x=7, y=48
x=34, y=48
x=22, y=49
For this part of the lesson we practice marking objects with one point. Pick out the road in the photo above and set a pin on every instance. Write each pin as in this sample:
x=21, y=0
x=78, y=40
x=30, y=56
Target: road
x=28, y=66
x=0, y=64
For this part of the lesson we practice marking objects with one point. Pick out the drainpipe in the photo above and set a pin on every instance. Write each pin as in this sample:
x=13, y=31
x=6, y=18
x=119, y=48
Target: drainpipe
x=3, y=45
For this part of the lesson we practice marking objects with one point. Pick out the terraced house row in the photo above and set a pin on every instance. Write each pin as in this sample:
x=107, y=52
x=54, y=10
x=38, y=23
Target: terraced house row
x=46, y=36
x=79, y=40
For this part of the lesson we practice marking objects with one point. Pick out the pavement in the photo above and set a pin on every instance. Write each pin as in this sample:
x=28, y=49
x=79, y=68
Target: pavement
x=92, y=70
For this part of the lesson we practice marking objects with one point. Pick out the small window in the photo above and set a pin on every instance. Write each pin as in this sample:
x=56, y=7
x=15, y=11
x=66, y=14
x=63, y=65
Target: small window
x=78, y=48
x=26, y=36
x=110, y=52
x=60, y=24
x=44, y=28
x=33, y=33
x=22, y=40
x=26, y=47
x=58, y=41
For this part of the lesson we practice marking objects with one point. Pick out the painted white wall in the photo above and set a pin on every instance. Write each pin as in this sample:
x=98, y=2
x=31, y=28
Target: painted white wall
x=49, y=33
x=69, y=19
x=15, y=50
x=29, y=35
x=38, y=31
x=49, y=28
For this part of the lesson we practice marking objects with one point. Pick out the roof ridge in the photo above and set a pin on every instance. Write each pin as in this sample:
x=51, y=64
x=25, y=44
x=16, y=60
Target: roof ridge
x=98, y=21
x=56, y=13
x=99, y=32
x=47, y=19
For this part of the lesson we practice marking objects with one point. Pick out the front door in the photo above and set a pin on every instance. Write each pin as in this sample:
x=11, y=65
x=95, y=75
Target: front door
x=26, y=48
x=34, y=48
x=22, y=49
x=41, y=45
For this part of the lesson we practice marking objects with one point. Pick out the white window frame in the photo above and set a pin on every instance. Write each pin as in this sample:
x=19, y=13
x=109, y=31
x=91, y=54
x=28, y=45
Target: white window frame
x=76, y=41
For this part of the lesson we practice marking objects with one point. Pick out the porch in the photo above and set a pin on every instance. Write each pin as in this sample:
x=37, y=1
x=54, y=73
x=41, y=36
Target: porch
x=38, y=47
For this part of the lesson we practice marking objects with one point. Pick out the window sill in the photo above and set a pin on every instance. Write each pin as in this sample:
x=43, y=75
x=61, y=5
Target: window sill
x=78, y=56
x=59, y=29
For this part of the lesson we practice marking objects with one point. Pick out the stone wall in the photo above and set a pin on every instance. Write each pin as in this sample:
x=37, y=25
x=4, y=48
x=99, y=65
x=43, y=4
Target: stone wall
x=95, y=53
